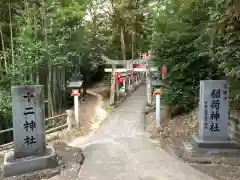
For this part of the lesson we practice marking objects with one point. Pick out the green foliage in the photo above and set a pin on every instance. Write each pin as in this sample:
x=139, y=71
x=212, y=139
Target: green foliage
x=5, y=104
x=46, y=42
x=179, y=43
x=42, y=40
x=224, y=35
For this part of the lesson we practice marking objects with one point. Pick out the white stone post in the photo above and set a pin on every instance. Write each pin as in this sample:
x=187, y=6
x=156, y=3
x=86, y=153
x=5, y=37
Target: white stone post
x=129, y=84
x=149, y=85
x=117, y=86
x=139, y=77
x=158, y=110
x=76, y=110
x=124, y=85
x=136, y=79
x=70, y=118
x=112, y=91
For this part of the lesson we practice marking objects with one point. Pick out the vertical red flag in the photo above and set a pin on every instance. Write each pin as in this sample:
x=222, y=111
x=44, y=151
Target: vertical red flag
x=164, y=72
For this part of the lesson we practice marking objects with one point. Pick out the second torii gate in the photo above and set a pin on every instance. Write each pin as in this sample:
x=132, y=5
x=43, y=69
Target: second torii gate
x=130, y=68
x=114, y=79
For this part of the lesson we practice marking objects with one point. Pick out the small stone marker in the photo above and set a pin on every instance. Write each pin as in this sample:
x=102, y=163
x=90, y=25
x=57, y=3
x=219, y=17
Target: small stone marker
x=30, y=151
x=28, y=120
x=213, y=139
x=213, y=110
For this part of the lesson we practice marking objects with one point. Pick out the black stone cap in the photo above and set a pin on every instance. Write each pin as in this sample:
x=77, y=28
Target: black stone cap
x=77, y=77
x=158, y=83
x=156, y=75
x=75, y=84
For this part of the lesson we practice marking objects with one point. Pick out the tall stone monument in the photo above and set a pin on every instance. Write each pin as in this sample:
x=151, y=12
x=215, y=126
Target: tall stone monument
x=30, y=151
x=213, y=116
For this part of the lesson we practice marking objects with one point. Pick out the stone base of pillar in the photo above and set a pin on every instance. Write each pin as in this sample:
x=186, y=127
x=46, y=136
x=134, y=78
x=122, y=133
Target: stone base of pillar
x=13, y=167
x=196, y=142
x=195, y=150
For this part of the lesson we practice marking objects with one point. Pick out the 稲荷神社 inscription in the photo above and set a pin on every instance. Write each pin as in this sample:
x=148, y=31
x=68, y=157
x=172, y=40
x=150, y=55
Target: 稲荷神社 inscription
x=212, y=139
x=28, y=120
x=213, y=110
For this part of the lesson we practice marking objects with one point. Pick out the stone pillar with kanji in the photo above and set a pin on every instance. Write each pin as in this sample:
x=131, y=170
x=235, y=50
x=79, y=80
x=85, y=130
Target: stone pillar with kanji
x=30, y=152
x=213, y=118
x=28, y=120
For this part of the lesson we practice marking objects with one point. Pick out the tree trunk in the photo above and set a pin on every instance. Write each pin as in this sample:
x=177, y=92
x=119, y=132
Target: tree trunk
x=49, y=81
x=149, y=87
x=62, y=85
x=112, y=90
x=65, y=88
x=123, y=46
x=35, y=37
x=133, y=45
x=54, y=90
x=237, y=7
x=50, y=98
x=11, y=32
x=117, y=88
x=28, y=72
x=3, y=48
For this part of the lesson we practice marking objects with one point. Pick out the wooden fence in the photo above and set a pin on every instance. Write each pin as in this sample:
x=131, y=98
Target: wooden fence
x=52, y=124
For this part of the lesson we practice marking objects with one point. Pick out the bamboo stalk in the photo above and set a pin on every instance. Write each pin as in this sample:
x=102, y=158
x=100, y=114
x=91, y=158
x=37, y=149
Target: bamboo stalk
x=11, y=32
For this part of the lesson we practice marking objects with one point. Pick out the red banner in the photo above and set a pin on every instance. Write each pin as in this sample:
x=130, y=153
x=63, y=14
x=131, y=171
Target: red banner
x=164, y=72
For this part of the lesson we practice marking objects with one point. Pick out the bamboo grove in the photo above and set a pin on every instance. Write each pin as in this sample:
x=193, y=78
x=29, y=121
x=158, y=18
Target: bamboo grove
x=47, y=41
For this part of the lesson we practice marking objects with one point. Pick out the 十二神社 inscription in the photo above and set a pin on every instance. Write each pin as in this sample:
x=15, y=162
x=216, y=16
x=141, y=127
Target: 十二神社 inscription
x=28, y=120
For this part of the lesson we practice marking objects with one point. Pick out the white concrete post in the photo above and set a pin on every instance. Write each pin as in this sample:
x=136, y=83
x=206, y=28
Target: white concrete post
x=136, y=79
x=129, y=84
x=149, y=85
x=76, y=110
x=158, y=110
x=124, y=85
x=112, y=92
x=117, y=86
x=70, y=117
x=141, y=76
x=134, y=82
